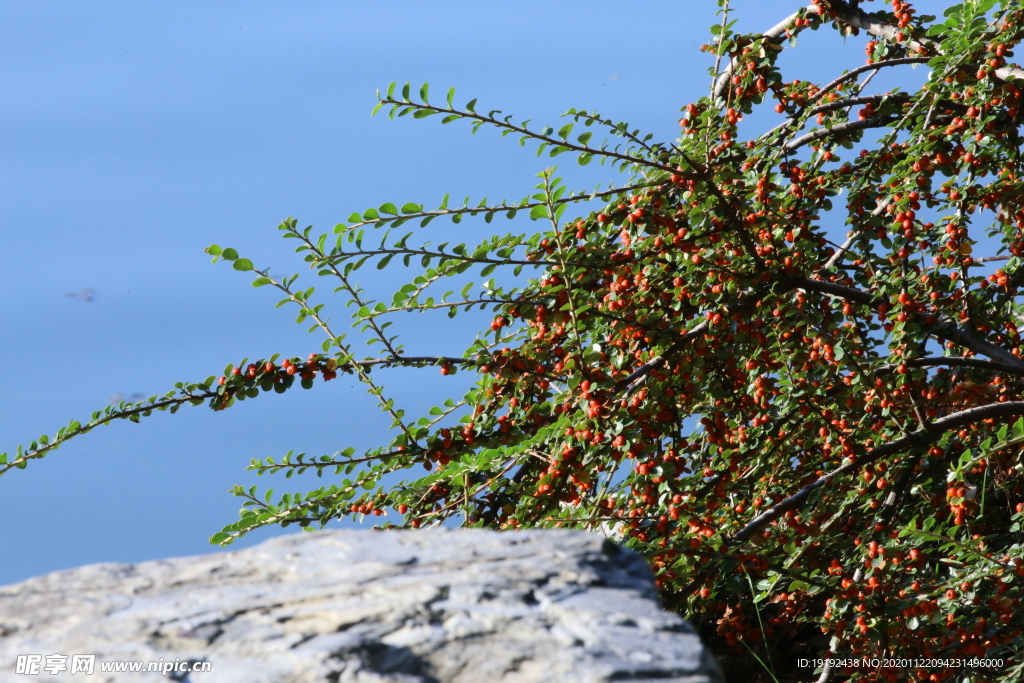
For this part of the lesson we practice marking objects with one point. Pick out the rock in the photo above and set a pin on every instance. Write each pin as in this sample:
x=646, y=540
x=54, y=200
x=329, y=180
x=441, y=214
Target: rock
x=426, y=606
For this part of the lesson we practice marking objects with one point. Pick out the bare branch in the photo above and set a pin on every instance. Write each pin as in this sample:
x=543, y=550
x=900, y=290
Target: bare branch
x=838, y=129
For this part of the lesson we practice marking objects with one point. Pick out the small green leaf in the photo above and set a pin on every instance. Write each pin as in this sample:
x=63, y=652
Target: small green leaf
x=242, y=264
x=391, y=90
x=539, y=211
x=451, y=95
x=411, y=208
x=370, y=215
x=389, y=208
x=229, y=254
x=423, y=92
x=261, y=281
x=406, y=89
x=470, y=106
x=213, y=250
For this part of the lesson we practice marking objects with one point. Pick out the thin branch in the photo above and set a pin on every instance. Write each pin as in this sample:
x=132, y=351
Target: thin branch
x=836, y=257
x=922, y=436
x=537, y=136
x=943, y=330
x=365, y=378
x=773, y=34
x=579, y=197
x=854, y=101
x=40, y=452
x=955, y=362
x=874, y=66
x=433, y=254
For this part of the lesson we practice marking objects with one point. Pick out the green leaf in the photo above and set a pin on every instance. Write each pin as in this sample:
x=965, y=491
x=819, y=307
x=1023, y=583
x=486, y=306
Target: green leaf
x=384, y=262
x=451, y=96
x=406, y=89
x=584, y=138
x=539, y=211
x=389, y=208
x=423, y=92
x=370, y=215
x=391, y=90
x=584, y=158
x=411, y=208
x=229, y=254
x=213, y=250
x=470, y=106
x=260, y=281
x=242, y=264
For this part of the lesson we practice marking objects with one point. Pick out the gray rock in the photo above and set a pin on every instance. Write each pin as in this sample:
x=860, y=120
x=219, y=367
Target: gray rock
x=427, y=606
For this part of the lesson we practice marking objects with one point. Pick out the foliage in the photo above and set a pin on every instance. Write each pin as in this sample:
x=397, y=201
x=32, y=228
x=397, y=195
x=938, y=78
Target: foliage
x=803, y=437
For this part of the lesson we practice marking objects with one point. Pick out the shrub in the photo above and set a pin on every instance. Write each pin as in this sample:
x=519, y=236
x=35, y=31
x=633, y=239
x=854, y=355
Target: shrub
x=811, y=441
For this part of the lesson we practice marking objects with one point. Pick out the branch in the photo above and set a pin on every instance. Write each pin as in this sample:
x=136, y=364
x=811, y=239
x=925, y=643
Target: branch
x=22, y=458
x=858, y=18
x=546, y=139
x=956, y=362
x=925, y=435
x=632, y=382
x=837, y=129
x=773, y=34
x=336, y=258
x=578, y=197
x=853, y=73
x=854, y=101
x=947, y=331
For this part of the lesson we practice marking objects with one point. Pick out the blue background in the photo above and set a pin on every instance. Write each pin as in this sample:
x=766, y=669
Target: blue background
x=133, y=135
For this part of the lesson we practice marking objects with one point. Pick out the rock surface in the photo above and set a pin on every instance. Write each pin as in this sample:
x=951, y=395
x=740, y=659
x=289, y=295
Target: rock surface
x=427, y=606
